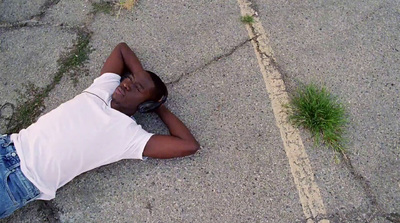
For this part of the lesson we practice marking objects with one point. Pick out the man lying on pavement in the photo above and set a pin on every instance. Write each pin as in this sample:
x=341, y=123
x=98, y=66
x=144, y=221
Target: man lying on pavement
x=91, y=130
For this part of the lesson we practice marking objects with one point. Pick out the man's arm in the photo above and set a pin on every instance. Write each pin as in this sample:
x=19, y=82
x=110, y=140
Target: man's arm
x=180, y=143
x=122, y=59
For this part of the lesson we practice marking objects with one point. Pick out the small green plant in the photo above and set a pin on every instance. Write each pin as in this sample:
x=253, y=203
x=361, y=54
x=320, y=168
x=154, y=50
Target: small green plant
x=79, y=54
x=248, y=19
x=29, y=106
x=72, y=62
x=317, y=110
x=102, y=6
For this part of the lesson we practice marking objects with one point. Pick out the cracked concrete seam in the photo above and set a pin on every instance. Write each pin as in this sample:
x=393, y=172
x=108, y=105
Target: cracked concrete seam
x=26, y=23
x=48, y=4
x=215, y=59
x=392, y=217
x=376, y=209
x=51, y=211
x=364, y=183
x=34, y=20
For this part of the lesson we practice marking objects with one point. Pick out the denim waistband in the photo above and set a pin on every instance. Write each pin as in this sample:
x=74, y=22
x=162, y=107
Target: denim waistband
x=8, y=153
x=15, y=190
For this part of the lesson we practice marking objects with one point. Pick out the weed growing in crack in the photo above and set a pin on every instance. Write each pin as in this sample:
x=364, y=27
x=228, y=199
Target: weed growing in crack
x=321, y=113
x=31, y=103
x=102, y=6
x=78, y=55
x=76, y=58
x=248, y=19
x=126, y=4
x=29, y=106
x=109, y=8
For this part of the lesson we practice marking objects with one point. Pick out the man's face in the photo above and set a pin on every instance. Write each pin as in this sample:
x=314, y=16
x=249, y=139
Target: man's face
x=132, y=91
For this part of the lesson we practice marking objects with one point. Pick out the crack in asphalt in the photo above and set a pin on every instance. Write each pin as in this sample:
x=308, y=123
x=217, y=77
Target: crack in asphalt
x=50, y=210
x=34, y=21
x=364, y=183
x=48, y=4
x=356, y=214
x=393, y=217
x=376, y=210
x=31, y=23
x=215, y=59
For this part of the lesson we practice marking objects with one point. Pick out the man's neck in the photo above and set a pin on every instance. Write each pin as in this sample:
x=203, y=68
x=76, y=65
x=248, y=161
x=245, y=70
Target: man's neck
x=116, y=107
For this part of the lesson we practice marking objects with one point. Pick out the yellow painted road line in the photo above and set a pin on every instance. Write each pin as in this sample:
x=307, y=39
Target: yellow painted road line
x=300, y=166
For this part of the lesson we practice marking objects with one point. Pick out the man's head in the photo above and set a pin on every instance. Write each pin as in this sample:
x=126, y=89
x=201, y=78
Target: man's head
x=160, y=95
x=136, y=89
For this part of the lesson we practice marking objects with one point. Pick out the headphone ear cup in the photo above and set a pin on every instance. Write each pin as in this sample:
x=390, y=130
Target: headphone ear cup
x=148, y=106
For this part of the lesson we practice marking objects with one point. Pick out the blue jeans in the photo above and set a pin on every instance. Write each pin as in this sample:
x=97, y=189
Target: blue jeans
x=15, y=189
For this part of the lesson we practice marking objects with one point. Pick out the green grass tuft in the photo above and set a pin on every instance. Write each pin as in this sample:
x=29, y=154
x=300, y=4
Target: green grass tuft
x=248, y=19
x=317, y=110
x=102, y=6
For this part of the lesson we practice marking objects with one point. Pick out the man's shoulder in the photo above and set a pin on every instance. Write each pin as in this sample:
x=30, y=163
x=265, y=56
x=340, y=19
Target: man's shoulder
x=107, y=77
x=106, y=82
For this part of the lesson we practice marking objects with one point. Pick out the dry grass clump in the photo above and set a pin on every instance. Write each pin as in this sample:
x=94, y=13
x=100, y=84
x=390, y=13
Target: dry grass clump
x=128, y=4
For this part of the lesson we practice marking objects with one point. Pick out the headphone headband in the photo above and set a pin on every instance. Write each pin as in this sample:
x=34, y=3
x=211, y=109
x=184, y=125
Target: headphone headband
x=162, y=99
x=149, y=106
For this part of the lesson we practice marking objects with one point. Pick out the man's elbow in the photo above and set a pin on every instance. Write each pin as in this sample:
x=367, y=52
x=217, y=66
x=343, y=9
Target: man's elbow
x=122, y=43
x=194, y=147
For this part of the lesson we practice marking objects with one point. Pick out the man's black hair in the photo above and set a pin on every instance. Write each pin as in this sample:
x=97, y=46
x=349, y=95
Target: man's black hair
x=160, y=88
